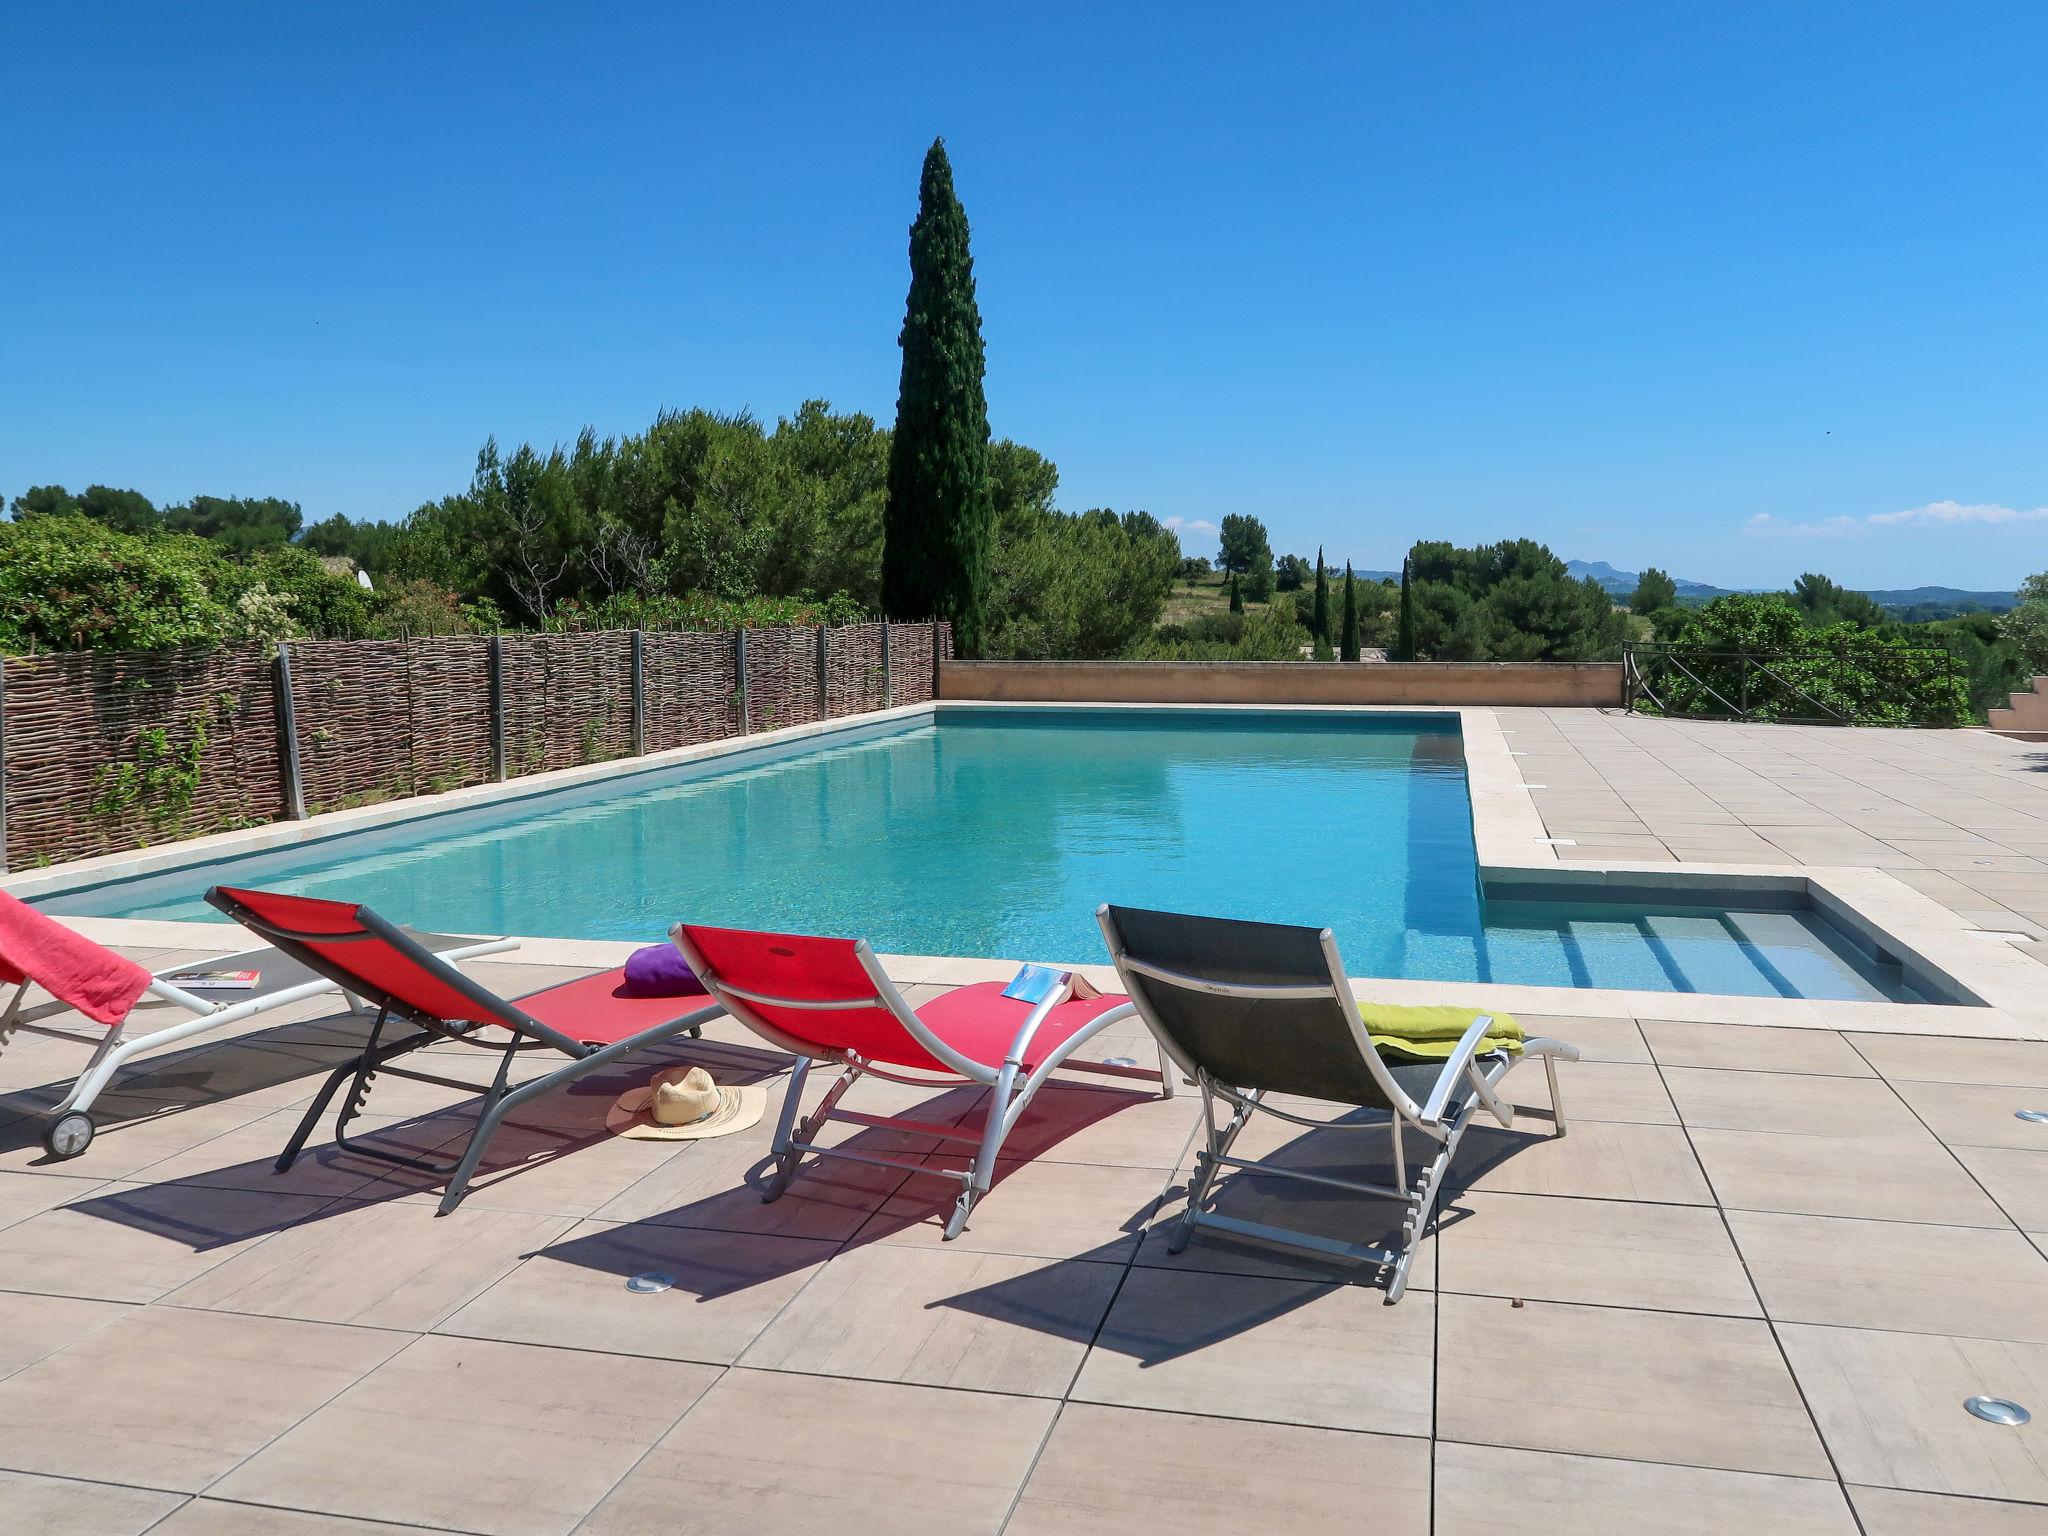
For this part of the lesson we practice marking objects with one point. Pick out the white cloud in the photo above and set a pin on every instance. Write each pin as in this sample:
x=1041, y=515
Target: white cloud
x=1943, y=512
x=1182, y=525
x=1936, y=514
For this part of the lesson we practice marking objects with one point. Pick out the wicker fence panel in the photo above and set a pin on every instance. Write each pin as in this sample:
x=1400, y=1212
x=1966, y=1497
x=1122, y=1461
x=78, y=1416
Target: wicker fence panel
x=912, y=675
x=108, y=750
x=782, y=678
x=354, y=722
x=448, y=680
x=692, y=684
x=568, y=700
x=854, y=682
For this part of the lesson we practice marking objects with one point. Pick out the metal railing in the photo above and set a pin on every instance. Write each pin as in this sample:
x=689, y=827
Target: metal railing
x=1889, y=685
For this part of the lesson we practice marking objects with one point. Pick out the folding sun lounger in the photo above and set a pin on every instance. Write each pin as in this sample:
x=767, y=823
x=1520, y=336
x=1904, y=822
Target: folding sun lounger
x=589, y=1020
x=108, y=988
x=1254, y=1009
x=829, y=1000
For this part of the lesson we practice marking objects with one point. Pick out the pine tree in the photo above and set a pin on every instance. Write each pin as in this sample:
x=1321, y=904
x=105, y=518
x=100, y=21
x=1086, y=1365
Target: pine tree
x=1319, y=619
x=940, y=521
x=1347, y=649
x=1405, y=642
x=1236, y=598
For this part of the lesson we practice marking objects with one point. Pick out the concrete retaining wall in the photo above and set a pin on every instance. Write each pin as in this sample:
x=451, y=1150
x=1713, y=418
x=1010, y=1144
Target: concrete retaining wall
x=1284, y=682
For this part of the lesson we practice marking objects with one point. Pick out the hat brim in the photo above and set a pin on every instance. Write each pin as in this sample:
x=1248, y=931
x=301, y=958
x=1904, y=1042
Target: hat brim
x=739, y=1109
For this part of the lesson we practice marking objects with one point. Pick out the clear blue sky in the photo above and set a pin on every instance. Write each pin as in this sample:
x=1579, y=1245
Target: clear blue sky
x=1717, y=286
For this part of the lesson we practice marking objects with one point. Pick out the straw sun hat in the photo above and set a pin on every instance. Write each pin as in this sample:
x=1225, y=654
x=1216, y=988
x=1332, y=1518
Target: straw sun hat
x=684, y=1104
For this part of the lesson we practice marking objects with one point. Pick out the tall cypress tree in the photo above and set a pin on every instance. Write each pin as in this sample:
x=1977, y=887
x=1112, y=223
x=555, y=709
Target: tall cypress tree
x=1319, y=620
x=1405, y=643
x=1348, y=647
x=1236, y=598
x=940, y=522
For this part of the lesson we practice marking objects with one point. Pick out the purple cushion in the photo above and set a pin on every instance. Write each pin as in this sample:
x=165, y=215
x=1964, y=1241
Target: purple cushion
x=660, y=970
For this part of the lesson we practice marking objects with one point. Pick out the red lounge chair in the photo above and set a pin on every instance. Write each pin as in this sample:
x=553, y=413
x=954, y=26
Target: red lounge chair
x=828, y=1000
x=108, y=989
x=589, y=1020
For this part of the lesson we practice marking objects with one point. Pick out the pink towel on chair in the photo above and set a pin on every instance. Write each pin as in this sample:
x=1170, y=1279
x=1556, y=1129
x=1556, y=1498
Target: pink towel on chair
x=90, y=977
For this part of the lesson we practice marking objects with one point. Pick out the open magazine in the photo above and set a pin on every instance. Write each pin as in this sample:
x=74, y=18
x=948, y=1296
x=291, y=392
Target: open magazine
x=1035, y=983
x=215, y=981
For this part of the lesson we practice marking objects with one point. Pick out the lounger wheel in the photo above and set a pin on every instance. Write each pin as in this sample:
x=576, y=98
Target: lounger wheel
x=69, y=1134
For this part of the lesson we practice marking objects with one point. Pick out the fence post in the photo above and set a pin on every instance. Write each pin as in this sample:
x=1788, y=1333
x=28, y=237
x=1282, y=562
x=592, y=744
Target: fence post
x=935, y=658
x=496, y=652
x=824, y=673
x=639, y=693
x=888, y=682
x=288, y=736
x=740, y=662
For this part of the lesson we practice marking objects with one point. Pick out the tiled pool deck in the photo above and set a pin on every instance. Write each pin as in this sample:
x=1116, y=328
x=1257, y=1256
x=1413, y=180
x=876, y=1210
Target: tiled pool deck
x=1749, y=1292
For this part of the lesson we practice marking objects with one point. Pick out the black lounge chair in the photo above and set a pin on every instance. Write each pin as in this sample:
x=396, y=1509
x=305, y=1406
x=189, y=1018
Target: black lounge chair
x=1249, y=1010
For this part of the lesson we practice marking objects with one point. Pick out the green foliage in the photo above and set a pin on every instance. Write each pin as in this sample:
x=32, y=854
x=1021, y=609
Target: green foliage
x=237, y=523
x=1994, y=668
x=1084, y=585
x=1655, y=592
x=1821, y=603
x=1347, y=644
x=1404, y=642
x=1272, y=635
x=1290, y=573
x=1191, y=567
x=701, y=610
x=940, y=511
x=123, y=511
x=1512, y=601
x=1236, y=596
x=67, y=583
x=2026, y=626
x=1798, y=671
x=1319, y=615
x=161, y=780
x=1247, y=554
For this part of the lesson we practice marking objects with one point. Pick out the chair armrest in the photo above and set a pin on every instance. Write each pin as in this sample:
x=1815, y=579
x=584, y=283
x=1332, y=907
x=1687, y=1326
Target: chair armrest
x=1454, y=1068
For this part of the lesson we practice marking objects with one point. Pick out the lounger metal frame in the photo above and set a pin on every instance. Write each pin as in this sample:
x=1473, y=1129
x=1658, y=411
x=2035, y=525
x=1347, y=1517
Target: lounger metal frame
x=1013, y=1088
x=1442, y=1119
x=525, y=1032
x=117, y=1048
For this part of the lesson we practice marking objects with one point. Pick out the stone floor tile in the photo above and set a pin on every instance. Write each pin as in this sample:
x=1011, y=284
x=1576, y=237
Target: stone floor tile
x=1105, y=1126
x=727, y=1287
x=1890, y=1406
x=1604, y=1381
x=1596, y=1039
x=135, y=1242
x=1795, y=1105
x=383, y=1264
x=2016, y=1179
x=166, y=1398
x=1966, y=1115
x=132, y=1135
x=55, y=1506
x=1888, y=1179
x=940, y=1317
x=246, y=1158
x=1932, y=1059
x=1754, y=1048
x=1112, y=1471
x=216, y=1517
x=1289, y=1351
x=1034, y=1210
x=27, y=1194
x=1621, y=1253
x=773, y=1454
x=1884, y=1274
x=1606, y=1160
x=1485, y=1490
x=1894, y=1512
x=33, y=1326
x=1593, y=1090
x=490, y=1437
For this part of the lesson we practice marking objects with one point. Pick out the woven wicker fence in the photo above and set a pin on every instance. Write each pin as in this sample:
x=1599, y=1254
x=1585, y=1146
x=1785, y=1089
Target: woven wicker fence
x=102, y=751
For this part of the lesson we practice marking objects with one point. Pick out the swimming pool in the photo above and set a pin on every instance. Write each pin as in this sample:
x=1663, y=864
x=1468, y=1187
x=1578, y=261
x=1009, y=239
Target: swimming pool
x=997, y=832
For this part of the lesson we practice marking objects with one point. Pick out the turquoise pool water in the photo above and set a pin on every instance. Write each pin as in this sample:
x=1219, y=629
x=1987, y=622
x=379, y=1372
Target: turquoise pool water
x=996, y=833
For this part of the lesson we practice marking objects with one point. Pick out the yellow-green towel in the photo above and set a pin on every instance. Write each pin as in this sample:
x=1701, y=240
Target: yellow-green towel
x=1432, y=1033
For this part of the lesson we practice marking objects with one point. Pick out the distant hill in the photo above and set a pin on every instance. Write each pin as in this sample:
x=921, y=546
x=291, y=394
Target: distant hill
x=1622, y=583
x=1922, y=602
x=1945, y=597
